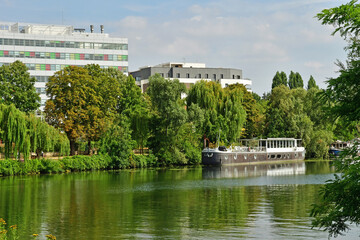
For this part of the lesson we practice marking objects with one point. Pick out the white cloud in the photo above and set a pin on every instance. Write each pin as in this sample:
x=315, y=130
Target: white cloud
x=314, y=64
x=259, y=41
x=132, y=22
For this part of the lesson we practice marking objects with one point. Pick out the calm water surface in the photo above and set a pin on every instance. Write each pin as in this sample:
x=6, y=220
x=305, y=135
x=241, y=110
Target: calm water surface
x=248, y=202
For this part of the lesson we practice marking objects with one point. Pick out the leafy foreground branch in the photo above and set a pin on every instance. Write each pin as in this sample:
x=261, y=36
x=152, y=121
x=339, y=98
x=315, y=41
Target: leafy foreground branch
x=340, y=198
x=73, y=164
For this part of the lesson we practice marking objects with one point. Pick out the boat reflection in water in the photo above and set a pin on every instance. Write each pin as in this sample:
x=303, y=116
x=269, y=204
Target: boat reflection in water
x=254, y=170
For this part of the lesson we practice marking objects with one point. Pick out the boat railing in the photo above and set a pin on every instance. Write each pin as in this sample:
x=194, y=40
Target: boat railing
x=249, y=149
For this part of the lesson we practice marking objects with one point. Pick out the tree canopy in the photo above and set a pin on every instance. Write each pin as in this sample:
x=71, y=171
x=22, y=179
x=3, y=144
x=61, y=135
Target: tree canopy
x=17, y=87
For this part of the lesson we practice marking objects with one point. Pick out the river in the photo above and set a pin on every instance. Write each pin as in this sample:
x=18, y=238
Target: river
x=244, y=202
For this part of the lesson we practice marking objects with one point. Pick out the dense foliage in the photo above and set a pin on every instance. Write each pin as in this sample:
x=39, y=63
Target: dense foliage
x=17, y=87
x=339, y=203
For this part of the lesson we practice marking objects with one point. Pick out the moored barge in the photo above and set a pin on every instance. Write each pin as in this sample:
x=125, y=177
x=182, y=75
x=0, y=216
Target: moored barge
x=255, y=151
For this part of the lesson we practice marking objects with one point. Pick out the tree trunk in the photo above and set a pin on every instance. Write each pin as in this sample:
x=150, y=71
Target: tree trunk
x=72, y=148
x=89, y=148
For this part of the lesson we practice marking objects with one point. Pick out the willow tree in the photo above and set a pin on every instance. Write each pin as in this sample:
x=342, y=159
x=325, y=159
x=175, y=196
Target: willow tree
x=223, y=110
x=14, y=131
x=23, y=133
x=255, y=117
x=46, y=138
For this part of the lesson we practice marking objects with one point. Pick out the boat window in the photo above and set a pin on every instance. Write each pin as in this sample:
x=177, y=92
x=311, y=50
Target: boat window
x=279, y=156
x=272, y=156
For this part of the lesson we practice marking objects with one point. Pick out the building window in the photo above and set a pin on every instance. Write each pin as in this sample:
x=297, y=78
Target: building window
x=238, y=76
x=178, y=75
x=233, y=76
x=188, y=75
x=222, y=76
x=206, y=76
x=214, y=76
x=199, y=75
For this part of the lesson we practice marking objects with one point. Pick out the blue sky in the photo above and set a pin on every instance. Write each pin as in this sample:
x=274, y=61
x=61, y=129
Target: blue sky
x=259, y=36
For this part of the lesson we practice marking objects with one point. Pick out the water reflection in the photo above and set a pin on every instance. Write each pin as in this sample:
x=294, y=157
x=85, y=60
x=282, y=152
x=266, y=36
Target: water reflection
x=168, y=203
x=255, y=170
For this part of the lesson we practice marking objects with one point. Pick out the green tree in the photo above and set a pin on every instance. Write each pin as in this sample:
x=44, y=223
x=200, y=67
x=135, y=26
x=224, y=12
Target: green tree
x=17, y=87
x=285, y=116
x=283, y=78
x=107, y=87
x=140, y=120
x=312, y=83
x=254, y=118
x=118, y=144
x=168, y=116
x=295, y=80
x=74, y=104
x=279, y=78
x=340, y=200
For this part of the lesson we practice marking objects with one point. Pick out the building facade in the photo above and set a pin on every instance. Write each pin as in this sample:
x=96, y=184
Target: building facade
x=45, y=49
x=190, y=73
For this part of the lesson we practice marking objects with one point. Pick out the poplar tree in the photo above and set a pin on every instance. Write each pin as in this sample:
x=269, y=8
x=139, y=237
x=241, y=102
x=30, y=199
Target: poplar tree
x=312, y=83
x=279, y=78
x=295, y=80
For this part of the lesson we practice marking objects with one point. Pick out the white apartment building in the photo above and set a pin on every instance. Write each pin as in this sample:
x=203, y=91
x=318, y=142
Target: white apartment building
x=45, y=49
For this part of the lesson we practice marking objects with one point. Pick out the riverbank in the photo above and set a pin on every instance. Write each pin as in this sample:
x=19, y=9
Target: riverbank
x=80, y=163
x=73, y=164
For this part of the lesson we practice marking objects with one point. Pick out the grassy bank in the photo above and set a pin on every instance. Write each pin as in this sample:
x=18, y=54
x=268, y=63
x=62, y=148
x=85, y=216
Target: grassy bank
x=72, y=164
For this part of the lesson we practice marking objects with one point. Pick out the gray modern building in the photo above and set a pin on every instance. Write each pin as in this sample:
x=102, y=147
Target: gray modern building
x=190, y=73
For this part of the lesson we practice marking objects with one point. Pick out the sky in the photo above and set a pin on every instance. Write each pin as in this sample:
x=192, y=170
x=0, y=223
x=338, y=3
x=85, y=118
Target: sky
x=258, y=36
